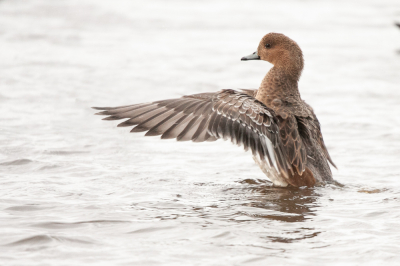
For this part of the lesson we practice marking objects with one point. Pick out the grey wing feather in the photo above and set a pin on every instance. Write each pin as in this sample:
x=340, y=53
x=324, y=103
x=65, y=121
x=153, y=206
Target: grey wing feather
x=227, y=114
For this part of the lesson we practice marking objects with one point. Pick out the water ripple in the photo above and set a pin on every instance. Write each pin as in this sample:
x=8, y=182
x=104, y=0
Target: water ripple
x=17, y=162
x=47, y=239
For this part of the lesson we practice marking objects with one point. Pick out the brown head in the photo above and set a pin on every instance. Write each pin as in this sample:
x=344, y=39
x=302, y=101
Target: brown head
x=281, y=51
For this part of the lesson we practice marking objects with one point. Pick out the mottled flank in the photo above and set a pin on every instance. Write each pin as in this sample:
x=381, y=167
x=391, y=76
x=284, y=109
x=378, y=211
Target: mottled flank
x=279, y=128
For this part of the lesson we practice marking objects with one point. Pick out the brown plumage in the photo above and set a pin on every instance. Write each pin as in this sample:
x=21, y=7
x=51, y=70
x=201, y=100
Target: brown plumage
x=279, y=128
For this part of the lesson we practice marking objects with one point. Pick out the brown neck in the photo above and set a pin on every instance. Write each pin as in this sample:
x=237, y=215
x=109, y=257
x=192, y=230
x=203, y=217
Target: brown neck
x=279, y=83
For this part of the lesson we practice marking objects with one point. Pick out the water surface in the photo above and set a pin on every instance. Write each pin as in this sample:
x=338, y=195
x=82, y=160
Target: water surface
x=76, y=190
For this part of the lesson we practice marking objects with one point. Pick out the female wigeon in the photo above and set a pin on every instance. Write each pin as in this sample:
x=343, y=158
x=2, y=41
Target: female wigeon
x=279, y=128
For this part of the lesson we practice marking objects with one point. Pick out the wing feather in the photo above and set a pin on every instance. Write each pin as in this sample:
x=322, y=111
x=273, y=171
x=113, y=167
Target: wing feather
x=226, y=114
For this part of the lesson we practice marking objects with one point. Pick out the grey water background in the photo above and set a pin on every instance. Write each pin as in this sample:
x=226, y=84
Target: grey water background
x=75, y=190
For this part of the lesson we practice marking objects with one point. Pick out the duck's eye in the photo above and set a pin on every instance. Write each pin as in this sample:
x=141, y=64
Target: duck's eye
x=267, y=45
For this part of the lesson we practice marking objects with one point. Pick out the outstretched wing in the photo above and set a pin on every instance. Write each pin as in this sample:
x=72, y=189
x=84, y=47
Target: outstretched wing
x=227, y=114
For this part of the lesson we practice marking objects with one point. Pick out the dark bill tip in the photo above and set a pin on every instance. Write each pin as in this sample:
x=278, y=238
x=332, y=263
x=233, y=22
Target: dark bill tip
x=253, y=56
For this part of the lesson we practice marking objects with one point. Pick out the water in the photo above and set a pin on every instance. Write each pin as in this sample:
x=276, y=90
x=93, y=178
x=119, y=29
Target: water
x=76, y=190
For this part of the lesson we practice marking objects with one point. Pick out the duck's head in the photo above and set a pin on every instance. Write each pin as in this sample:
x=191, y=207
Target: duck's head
x=281, y=51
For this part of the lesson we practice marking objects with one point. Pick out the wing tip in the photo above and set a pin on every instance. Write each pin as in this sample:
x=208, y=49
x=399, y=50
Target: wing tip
x=113, y=117
x=104, y=110
x=124, y=124
x=101, y=108
x=333, y=164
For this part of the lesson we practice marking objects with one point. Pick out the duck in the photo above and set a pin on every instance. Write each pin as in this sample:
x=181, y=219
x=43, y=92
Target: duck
x=279, y=128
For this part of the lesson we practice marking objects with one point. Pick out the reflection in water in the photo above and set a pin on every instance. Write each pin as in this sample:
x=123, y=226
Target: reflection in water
x=293, y=204
x=287, y=205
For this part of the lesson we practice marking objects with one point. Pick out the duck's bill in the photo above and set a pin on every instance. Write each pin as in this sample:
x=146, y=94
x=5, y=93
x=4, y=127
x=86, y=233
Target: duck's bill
x=253, y=56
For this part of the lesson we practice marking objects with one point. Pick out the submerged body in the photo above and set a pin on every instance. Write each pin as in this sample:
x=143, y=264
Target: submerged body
x=281, y=130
